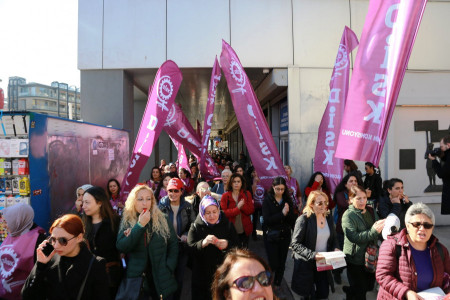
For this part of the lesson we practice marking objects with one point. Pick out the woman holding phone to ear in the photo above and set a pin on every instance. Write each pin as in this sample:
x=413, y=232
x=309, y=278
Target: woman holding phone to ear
x=70, y=270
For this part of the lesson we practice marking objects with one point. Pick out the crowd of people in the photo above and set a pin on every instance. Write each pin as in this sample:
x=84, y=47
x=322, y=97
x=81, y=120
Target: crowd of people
x=107, y=248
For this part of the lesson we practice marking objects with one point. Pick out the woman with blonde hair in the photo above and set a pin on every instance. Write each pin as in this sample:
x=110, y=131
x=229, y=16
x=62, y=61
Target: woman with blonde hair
x=150, y=242
x=313, y=233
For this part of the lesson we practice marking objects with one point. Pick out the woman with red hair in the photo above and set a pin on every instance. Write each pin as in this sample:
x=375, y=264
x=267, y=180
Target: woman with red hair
x=70, y=270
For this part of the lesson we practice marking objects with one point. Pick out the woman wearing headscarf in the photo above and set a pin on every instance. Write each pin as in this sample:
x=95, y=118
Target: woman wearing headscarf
x=17, y=257
x=79, y=202
x=210, y=237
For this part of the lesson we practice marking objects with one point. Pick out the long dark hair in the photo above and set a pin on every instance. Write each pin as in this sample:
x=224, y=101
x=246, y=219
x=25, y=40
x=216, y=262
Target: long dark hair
x=230, y=182
x=312, y=179
x=160, y=186
x=341, y=186
x=151, y=172
x=106, y=210
x=286, y=195
x=107, y=187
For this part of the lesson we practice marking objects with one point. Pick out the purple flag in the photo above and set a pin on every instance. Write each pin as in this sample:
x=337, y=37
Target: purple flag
x=161, y=97
x=179, y=129
x=182, y=161
x=257, y=136
x=324, y=160
x=386, y=42
x=206, y=165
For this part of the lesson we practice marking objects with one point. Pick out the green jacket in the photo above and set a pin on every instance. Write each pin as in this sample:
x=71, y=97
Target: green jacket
x=358, y=234
x=163, y=256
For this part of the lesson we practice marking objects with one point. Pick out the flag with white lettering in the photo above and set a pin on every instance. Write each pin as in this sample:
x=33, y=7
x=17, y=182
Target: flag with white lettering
x=324, y=159
x=180, y=130
x=204, y=162
x=386, y=43
x=257, y=136
x=161, y=97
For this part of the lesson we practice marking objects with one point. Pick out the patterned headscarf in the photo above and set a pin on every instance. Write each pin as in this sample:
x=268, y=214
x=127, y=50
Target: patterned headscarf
x=208, y=201
x=19, y=218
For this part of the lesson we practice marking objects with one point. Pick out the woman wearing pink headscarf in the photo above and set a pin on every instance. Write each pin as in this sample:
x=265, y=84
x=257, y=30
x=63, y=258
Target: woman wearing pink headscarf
x=17, y=257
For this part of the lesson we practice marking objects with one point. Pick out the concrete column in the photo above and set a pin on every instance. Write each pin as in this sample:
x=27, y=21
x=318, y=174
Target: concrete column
x=301, y=143
x=107, y=99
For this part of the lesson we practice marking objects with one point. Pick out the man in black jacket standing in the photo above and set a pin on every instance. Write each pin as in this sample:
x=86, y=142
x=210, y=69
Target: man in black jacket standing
x=443, y=171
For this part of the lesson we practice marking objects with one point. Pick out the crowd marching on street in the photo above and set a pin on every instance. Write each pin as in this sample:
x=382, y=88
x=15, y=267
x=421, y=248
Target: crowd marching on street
x=140, y=248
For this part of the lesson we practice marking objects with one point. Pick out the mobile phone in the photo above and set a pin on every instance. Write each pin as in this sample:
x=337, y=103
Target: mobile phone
x=48, y=249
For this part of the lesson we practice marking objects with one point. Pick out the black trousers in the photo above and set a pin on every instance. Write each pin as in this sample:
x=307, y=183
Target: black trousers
x=360, y=281
x=277, y=254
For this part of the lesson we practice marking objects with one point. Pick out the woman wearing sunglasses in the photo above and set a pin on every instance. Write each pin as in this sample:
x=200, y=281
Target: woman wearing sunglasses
x=413, y=260
x=314, y=232
x=102, y=226
x=148, y=238
x=210, y=237
x=243, y=275
x=70, y=271
x=361, y=228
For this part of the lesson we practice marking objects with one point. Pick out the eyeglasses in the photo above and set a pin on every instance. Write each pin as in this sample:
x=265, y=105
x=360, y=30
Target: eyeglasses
x=174, y=191
x=61, y=240
x=320, y=203
x=425, y=225
x=246, y=283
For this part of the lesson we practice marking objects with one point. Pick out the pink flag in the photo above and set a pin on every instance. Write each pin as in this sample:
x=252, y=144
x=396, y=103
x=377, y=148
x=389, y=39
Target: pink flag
x=324, y=160
x=182, y=161
x=179, y=129
x=388, y=36
x=161, y=97
x=199, y=130
x=257, y=136
x=204, y=163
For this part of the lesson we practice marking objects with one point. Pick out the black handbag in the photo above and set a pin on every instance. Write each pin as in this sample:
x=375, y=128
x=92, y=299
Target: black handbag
x=274, y=235
x=130, y=288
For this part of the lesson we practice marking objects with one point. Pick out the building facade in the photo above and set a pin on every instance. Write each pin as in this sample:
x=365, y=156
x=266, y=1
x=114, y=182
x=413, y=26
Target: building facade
x=287, y=47
x=58, y=99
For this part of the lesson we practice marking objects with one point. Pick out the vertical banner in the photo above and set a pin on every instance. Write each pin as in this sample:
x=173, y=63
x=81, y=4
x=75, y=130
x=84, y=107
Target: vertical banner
x=180, y=130
x=257, y=136
x=199, y=130
x=182, y=161
x=324, y=159
x=205, y=164
x=386, y=43
x=161, y=97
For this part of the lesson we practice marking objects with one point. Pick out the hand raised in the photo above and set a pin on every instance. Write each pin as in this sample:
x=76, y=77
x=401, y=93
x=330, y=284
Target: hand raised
x=144, y=217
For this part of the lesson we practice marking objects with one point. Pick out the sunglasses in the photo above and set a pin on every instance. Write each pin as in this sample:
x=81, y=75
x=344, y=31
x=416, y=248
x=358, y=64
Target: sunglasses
x=61, y=240
x=174, y=191
x=246, y=283
x=418, y=224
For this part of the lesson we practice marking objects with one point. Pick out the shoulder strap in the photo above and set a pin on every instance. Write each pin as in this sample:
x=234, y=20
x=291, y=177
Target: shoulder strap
x=80, y=293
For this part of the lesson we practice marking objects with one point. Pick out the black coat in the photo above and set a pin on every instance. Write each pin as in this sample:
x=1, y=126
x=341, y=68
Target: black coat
x=303, y=250
x=385, y=207
x=273, y=216
x=103, y=244
x=44, y=281
x=443, y=171
x=206, y=260
x=374, y=183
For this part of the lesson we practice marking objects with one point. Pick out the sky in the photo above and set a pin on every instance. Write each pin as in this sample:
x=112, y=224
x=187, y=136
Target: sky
x=40, y=40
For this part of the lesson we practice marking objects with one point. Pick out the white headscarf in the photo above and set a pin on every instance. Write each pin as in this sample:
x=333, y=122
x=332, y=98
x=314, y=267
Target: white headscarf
x=19, y=218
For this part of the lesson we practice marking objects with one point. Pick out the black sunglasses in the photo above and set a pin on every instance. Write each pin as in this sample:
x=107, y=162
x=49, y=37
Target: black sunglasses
x=246, y=283
x=425, y=225
x=61, y=240
x=174, y=191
